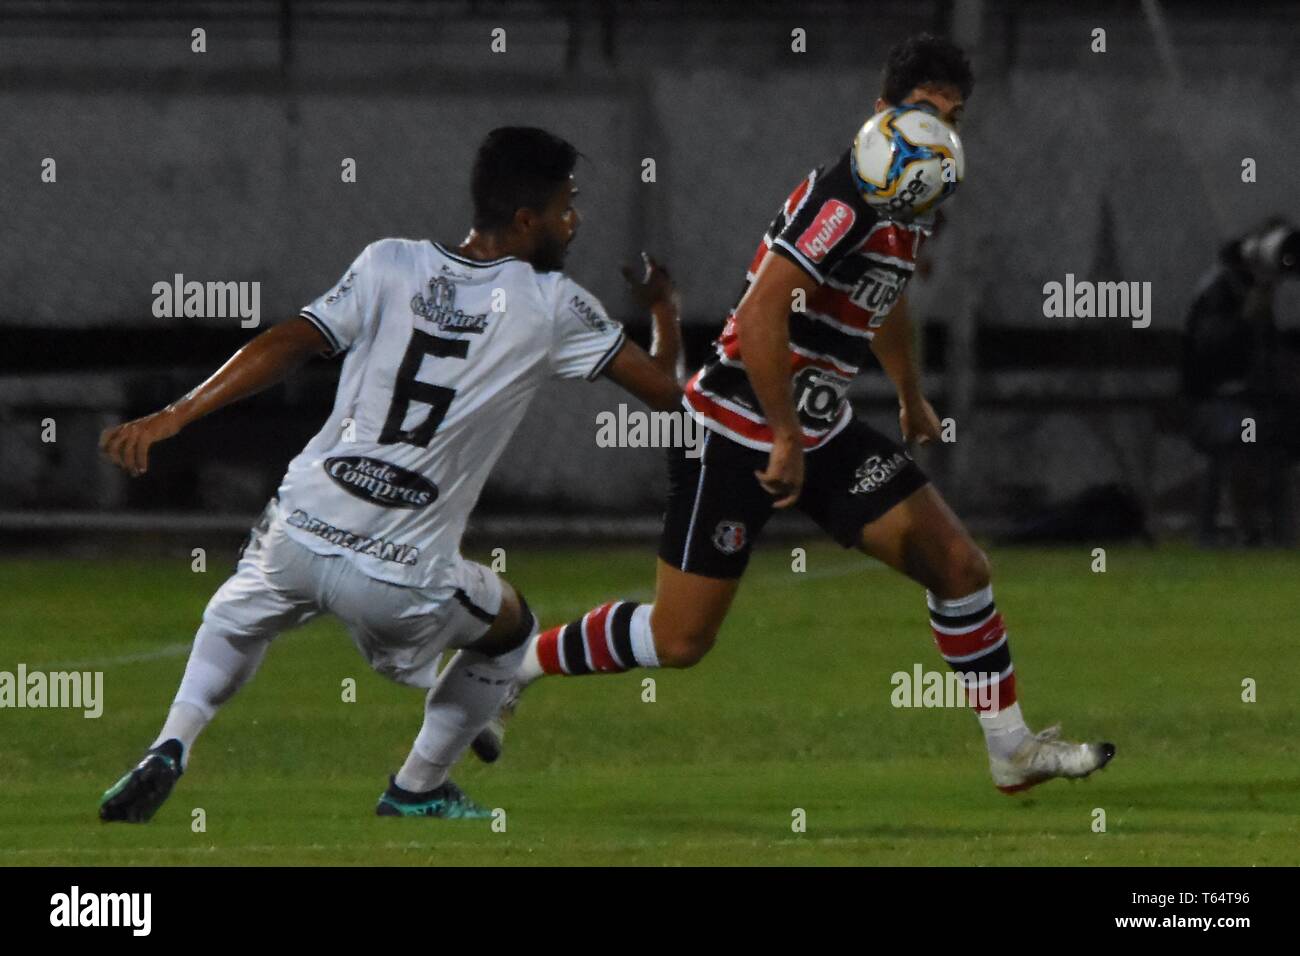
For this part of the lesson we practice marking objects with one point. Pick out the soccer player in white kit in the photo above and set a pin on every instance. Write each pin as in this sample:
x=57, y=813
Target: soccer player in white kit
x=444, y=349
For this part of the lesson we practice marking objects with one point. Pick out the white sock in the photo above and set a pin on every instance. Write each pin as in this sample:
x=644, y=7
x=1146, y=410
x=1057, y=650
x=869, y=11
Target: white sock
x=530, y=668
x=468, y=694
x=219, y=664
x=184, y=723
x=1004, y=731
x=643, y=639
x=973, y=640
x=610, y=638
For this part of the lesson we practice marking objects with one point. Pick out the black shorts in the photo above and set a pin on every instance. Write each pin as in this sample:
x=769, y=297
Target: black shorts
x=717, y=508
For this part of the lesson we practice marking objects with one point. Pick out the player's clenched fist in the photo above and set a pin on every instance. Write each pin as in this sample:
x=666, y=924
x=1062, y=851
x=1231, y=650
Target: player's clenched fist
x=783, y=479
x=127, y=445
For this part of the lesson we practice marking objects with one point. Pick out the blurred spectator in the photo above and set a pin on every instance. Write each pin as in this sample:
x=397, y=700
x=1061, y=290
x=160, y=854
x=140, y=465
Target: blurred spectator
x=1236, y=370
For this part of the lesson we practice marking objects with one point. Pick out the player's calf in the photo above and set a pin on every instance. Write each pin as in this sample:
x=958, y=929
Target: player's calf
x=459, y=707
x=677, y=630
x=682, y=645
x=972, y=638
x=610, y=639
x=617, y=637
x=951, y=567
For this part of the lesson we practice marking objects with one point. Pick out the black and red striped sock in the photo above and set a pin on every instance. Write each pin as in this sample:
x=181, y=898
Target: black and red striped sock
x=609, y=639
x=973, y=640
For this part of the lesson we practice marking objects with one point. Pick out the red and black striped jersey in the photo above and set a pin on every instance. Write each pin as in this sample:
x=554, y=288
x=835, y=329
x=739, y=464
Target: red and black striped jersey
x=861, y=263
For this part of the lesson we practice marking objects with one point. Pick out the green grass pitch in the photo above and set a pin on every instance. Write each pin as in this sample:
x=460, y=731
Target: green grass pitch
x=790, y=711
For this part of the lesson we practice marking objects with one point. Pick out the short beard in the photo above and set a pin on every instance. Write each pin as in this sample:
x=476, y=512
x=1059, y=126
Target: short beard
x=549, y=256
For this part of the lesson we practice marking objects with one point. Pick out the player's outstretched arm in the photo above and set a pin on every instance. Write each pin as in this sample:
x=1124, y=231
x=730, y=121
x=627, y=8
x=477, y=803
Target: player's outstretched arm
x=261, y=363
x=763, y=324
x=893, y=346
x=655, y=378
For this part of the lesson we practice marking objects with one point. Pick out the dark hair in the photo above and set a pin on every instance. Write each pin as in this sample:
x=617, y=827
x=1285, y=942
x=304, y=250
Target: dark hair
x=924, y=60
x=517, y=167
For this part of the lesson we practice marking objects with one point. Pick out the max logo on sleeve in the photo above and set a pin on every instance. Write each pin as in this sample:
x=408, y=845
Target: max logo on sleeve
x=590, y=315
x=344, y=287
x=831, y=224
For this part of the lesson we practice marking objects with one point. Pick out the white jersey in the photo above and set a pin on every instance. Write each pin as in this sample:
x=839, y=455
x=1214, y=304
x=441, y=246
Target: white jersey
x=443, y=356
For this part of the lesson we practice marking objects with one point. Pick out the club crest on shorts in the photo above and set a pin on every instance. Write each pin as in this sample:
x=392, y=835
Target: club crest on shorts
x=876, y=471
x=729, y=536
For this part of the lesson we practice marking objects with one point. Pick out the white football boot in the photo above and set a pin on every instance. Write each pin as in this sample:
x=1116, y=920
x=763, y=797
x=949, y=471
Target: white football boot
x=1043, y=757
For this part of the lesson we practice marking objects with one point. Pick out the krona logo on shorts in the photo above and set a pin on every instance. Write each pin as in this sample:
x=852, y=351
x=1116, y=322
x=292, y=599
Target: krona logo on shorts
x=380, y=483
x=877, y=471
x=832, y=224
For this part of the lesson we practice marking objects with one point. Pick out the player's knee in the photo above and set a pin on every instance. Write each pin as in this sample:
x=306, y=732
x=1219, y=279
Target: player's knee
x=965, y=569
x=512, y=627
x=684, y=646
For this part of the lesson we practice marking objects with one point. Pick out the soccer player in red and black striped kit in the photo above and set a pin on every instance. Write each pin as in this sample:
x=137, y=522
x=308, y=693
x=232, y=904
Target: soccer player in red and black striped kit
x=781, y=433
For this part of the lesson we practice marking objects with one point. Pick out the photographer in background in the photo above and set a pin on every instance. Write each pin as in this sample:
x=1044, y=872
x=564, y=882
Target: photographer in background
x=1237, y=368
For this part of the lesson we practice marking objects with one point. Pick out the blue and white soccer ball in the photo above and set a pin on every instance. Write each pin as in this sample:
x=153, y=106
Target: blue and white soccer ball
x=906, y=161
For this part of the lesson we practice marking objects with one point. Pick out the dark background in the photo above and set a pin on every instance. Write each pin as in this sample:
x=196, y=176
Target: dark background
x=225, y=165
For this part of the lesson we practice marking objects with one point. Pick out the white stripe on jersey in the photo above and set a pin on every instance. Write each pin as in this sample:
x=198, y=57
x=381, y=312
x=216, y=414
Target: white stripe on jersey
x=812, y=184
x=838, y=325
x=756, y=418
x=801, y=258
x=845, y=370
x=729, y=405
x=890, y=261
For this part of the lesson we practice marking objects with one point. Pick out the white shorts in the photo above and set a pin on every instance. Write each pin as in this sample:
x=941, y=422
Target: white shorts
x=400, y=631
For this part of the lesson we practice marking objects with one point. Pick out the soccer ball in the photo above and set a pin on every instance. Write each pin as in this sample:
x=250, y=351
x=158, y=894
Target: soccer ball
x=906, y=160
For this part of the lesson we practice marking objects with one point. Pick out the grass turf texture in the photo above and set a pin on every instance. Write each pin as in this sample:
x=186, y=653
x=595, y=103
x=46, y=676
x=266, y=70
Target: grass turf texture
x=791, y=710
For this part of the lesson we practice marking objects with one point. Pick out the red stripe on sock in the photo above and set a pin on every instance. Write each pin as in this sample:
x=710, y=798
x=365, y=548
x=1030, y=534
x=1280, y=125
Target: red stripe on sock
x=593, y=631
x=1007, y=691
x=963, y=645
x=548, y=651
